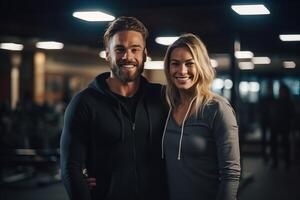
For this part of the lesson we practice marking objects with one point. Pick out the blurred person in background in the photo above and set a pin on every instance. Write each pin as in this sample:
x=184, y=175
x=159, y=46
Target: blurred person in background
x=282, y=115
x=265, y=105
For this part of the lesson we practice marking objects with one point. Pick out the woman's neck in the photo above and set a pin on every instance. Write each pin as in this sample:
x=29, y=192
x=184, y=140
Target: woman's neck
x=186, y=96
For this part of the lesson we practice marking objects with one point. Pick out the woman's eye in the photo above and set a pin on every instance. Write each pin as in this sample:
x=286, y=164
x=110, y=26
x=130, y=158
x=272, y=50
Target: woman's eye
x=189, y=64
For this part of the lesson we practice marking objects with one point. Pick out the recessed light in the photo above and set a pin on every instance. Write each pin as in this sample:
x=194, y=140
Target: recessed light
x=93, y=16
x=165, y=40
x=246, y=65
x=261, y=60
x=243, y=54
x=256, y=9
x=289, y=37
x=11, y=46
x=289, y=64
x=49, y=45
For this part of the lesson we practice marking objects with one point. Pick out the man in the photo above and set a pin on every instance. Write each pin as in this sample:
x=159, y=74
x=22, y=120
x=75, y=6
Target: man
x=113, y=128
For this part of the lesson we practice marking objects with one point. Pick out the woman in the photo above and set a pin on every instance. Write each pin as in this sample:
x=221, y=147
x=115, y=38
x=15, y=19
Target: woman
x=200, y=140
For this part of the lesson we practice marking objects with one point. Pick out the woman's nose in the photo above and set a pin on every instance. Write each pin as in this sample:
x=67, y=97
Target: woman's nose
x=182, y=68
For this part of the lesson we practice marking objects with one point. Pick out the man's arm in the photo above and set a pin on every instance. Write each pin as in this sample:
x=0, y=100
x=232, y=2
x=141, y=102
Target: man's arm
x=73, y=150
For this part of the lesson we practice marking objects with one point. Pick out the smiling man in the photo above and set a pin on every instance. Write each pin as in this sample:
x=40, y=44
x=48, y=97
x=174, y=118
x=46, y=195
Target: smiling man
x=113, y=128
x=126, y=53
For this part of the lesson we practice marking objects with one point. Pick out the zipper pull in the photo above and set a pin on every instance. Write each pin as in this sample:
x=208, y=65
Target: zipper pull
x=133, y=126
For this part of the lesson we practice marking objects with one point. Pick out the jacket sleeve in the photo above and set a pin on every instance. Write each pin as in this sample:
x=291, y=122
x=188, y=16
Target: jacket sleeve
x=73, y=149
x=226, y=135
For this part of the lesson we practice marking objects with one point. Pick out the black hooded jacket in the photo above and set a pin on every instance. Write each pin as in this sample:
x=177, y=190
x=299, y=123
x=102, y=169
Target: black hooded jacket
x=121, y=152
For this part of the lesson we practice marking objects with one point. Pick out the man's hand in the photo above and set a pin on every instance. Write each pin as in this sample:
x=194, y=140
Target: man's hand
x=91, y=182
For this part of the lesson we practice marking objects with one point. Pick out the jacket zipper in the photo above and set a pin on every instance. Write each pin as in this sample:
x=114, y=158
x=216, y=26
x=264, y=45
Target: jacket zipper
x=134, y=157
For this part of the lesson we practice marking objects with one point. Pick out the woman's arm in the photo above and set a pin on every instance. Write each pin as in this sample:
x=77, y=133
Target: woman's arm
x=225, y=131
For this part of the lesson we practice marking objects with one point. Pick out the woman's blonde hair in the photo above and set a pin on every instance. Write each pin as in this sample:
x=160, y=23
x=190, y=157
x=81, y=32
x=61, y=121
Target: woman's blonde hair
x=204, y=77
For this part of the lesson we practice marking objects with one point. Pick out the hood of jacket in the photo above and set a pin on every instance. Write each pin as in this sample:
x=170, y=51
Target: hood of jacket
x=99, y=84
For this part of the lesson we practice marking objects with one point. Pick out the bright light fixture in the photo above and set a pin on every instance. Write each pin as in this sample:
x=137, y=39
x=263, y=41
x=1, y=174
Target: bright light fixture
x=228, y=84
x=214, y=63
x=11, y=46
x=289, y=64
x=49, y=45
x=254, y=86
x=154, y=65
x=243, y=54
x=102, y=54
x=244, y=87
x=93, y=16
x=217, y=84
x=289, y=37
x=165, y=40
x=246, y=65
x=255, y=9
x=261, y=60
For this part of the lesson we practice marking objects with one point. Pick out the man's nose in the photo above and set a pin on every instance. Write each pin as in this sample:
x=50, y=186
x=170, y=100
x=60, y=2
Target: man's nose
x=127, y=55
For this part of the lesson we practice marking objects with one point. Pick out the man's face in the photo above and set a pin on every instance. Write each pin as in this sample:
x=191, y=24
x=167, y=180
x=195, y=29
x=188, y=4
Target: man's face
x=126, y=52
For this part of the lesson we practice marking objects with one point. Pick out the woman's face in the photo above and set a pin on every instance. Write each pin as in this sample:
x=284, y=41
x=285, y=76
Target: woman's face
x=182, y=68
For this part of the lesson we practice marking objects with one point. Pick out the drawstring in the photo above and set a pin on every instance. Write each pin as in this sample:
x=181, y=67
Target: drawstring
x=181, y=134
x=163, y=137
x=182, y=127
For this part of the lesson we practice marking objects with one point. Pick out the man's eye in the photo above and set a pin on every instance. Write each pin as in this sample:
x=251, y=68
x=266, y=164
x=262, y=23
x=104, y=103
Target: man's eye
x=135, y=50
x=175, y=64
x=119, y=50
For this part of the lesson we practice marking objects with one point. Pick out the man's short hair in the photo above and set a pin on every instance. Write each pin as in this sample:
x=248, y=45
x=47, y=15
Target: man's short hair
x=124, y=24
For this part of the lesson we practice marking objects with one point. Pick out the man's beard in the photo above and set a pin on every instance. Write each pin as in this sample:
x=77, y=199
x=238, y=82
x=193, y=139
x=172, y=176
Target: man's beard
x=127, y=77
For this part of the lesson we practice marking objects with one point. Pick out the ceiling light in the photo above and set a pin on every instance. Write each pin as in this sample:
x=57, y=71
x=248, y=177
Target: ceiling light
x=243, y=54
x=93, y=16
x=246, y=65
x=165, y=40
x=214, y=63
x=49, y=45
x=11, y=46
x=289, y=64
x=261, y=60
x=154, y=65
x=289, y=37
x=258, y=9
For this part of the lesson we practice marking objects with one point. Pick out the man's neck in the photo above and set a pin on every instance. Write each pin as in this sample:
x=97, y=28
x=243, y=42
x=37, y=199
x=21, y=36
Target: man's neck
x=124, y=89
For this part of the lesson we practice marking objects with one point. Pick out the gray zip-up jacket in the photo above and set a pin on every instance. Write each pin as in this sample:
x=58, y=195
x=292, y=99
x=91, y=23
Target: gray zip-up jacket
x=202, y=154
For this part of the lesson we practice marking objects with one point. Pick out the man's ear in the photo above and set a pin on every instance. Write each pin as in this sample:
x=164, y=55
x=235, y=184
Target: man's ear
x=145, y=55
x=107, y=56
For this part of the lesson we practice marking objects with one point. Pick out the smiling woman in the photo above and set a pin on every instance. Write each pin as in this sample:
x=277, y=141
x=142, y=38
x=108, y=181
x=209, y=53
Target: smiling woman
x=200, y=140
x=182, y=68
